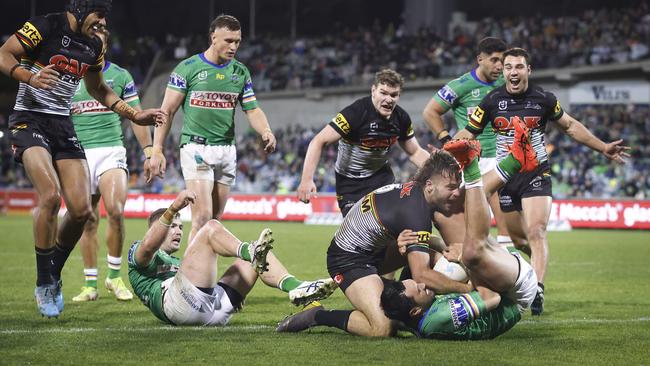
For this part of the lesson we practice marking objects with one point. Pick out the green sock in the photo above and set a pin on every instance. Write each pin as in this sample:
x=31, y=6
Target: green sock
x=288, y=283
x=91, y=283
x=90, y=275
x=113, y=273
x=243, y=252
x=472, y=172
x=508, y=167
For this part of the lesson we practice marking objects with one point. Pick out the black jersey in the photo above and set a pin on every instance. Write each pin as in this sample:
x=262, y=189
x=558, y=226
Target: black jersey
x=48, y=40
x=367, y=137
x=376, y=220
x=535, y=107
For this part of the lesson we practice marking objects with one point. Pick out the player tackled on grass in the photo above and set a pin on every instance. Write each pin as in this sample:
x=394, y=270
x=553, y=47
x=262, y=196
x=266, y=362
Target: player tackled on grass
x=365, y=246
x=187, y=292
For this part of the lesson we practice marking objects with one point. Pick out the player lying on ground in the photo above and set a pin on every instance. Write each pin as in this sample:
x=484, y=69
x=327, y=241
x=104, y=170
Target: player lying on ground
x=187, y=292
x=489, y=266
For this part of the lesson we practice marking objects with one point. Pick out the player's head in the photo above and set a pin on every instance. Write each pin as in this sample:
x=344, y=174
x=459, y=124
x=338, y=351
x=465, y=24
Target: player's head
x=225, y=37
x=175, y=234
x=90, y=14
x=516, y=69
x=385, y=91
x=489, y=57
x=405, y=300
x=440, y=180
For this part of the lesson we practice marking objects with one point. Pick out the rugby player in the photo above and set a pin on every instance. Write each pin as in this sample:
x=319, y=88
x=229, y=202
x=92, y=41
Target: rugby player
x=365, y=131
x=187, y=292
x=209, y=86
x=56, y=51
x=100, y=134
x=462, y=95
x=526, y=198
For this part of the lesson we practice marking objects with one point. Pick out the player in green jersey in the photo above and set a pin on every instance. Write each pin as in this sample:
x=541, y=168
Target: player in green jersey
x=187, y=292
x=209, y=86
x=462, y=95
x=100, y=133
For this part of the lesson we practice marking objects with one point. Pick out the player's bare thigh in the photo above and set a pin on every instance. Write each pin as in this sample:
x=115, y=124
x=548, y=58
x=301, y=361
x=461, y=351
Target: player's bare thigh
x=202, y=207
x=199, y=263
x=495, y=268
x=369, y=320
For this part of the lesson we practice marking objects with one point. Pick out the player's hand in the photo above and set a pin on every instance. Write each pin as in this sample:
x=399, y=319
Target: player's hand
x=454, y=252
x=183, y=199
x=614, y=151
x=146, y=169
x=45, y=78
x=158, y=163
x=405, y=238
x=150, y=117
x=268, y=140
x=306, y=190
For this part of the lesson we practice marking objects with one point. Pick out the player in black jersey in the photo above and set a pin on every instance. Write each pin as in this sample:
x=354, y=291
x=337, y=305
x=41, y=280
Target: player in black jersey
x=526, y=198
x=366, y=245
x=365, y=130
x=56, y=51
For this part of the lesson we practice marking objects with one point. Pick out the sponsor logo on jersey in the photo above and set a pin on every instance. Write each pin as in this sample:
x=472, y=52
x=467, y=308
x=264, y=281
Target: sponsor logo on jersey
x=477, y=116
x=503, y=123
x=447, y=94
x=69, y=65
x=459, y=315
x=424, y=237
x=88, y=106
x=378, y=143
x=342, y=123
x=213, y=100
x=203, y=75
x=220, y=76
x=129, y=89
x=503, y=105
x=18, y=127
x=530, y=105
x=557, y=108
x=65, y=41
x=234, y=78
x=32, y=34
x=177, y=81
x=406, y=189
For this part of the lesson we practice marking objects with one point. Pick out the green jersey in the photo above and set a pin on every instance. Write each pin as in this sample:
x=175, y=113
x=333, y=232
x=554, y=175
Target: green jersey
x=463, y=95
x=211, y=94
x=96, y=125
x=463, y=317
x=146, y=279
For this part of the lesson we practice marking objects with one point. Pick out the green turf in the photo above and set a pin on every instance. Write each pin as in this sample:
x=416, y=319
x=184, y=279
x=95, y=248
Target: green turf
x=598, y=313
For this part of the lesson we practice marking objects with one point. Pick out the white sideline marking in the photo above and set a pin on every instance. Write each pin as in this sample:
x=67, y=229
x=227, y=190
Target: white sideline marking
x=134, y=330
x=265, y=327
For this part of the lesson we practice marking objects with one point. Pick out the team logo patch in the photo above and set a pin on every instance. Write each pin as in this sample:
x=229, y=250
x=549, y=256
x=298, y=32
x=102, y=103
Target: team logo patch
x=65, y=42
x=234, y=78
x=476, y=93
x=203, y=75
x=374, y=126
x=447, y=94
x=406, y=189
x=503, y=105
x=339, y=278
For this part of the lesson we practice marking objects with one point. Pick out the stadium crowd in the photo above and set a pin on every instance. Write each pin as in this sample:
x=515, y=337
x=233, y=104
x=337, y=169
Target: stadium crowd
x=577, y=171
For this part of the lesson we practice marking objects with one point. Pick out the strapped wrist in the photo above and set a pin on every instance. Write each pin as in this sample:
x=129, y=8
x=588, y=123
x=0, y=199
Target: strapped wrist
x=147, y=151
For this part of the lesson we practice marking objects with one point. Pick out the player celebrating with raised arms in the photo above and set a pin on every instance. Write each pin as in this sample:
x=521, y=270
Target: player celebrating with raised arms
x=209, y=86
x=56, y=51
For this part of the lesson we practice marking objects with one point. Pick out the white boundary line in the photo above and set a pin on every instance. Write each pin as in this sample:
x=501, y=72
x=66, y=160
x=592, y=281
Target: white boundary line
x=257, y=328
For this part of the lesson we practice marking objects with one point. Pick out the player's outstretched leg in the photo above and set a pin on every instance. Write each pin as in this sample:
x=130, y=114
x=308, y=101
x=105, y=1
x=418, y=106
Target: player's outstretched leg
x=300, y=321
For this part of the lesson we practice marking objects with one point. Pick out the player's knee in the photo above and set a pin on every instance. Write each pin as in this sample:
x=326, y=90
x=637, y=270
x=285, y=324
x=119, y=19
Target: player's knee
x=537, y=232
x=80, y=214
x=50, y=201
x=201, y=219
x=381, y=329
x=115, y=213
x=472, y=252
x=215, y=227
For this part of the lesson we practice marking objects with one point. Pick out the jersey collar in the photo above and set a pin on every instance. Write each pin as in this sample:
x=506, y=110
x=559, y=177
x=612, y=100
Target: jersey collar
x=473, y=73
x=202, y=56
x=107, y=64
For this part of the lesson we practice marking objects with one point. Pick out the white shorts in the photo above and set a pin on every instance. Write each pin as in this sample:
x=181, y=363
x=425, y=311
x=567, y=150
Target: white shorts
x=487, y=164
x=184, y=304
x=102, y=159
x=206, y=162
x=525, y=288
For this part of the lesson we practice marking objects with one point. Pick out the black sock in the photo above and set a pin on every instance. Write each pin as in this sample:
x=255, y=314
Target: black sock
x=333, y=318
x=44, y=266
x=59, y=257
x=541, y=285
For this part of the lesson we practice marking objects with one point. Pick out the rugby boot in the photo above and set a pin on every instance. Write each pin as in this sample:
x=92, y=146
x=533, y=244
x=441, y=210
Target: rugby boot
x=118, y=288
x=58, y=296
x=310, y=291
x=521, y=148
x=44, y=296
x=537, y=307
x=464, y=151
x=300, y=321
x=88, y=293
x=259, y=249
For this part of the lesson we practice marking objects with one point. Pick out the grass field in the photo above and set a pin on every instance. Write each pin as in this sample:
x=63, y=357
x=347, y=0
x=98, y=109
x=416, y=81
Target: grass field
x=597, y=313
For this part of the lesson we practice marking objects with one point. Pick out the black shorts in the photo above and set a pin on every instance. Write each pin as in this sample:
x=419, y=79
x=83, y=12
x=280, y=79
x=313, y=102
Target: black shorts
x=350, y=190
x=53, y=132
x=345, y=267
x=534, y=184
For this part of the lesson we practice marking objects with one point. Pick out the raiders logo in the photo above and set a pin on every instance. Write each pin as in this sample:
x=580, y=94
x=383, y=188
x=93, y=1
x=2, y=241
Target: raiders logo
x=65, y=41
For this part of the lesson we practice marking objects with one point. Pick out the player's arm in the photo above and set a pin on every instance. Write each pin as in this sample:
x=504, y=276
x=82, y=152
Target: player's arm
x=576, y=130
x=98, y=89
x=421, y=270
x=417, y=155
x=259, y=122
x=143, y=135
x=171, y=102
x=307, y=188
x=476, y=122
x=12, y=51
x=157, y=233
x=432, y=115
